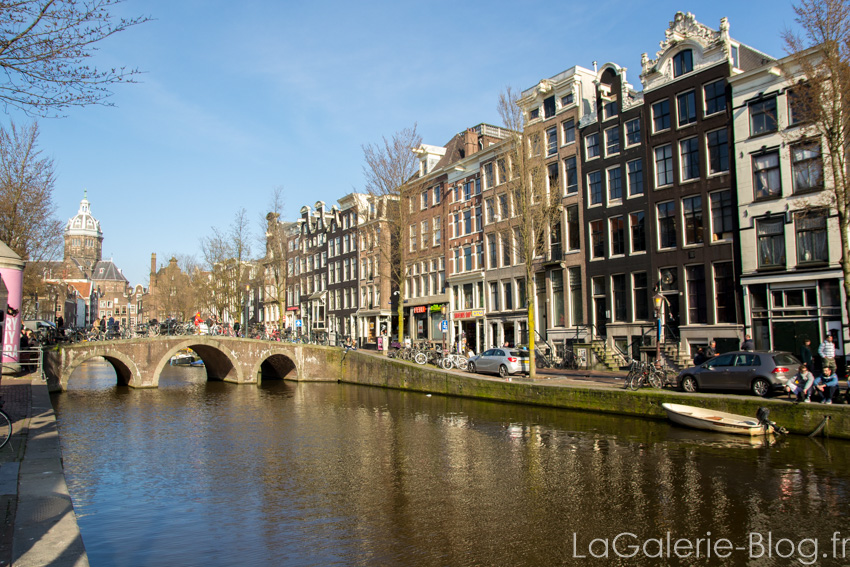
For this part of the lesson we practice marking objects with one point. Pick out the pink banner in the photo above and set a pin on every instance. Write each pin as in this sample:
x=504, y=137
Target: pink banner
x=14, y=280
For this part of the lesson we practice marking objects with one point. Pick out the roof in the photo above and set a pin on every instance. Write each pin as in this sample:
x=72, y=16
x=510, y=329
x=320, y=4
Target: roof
x=106, y=270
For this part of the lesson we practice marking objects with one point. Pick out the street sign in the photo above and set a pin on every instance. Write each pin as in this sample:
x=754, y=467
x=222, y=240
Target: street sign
x=298, y=323
x=444, y=326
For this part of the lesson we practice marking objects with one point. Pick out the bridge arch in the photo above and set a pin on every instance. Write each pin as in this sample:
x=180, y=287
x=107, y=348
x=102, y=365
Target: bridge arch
x=125, y=369
x=275, y=365
x=219, y=362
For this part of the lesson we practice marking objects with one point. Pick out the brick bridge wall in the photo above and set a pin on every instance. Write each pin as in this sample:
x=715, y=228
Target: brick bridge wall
x=138, y=362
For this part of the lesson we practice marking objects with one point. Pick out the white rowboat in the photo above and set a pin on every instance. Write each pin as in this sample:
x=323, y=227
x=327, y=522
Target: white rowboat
x=712, y=420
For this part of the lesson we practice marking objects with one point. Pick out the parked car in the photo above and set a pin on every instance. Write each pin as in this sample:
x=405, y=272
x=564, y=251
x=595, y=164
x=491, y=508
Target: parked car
x=760, y=372
x=501, y=361
x=35, y=324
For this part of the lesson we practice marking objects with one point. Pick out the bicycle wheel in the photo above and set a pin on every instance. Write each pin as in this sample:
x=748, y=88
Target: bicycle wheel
x=636, y=383
x=446, y=363
x=655, y=379
x=463, y=363
x=5, y=429
x=420, y=358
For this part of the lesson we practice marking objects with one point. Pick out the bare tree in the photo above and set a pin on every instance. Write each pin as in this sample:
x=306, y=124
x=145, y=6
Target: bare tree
x=276, y=262
x=28, y=224
x=227, y=255
x=821, y=55
x=171, y=292
x=389, y=170
x=44, y=49
x=535, y=208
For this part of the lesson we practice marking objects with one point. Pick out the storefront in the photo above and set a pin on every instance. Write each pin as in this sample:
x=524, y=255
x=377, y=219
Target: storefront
x=469, y=329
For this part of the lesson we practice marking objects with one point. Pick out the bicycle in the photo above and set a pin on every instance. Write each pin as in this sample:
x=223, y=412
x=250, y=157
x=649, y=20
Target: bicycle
x=5, y=427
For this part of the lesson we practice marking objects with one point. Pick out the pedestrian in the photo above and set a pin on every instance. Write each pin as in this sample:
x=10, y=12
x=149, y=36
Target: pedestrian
x=748, y=344
x=827, y=385
x=806, y=354
x=699, y=357
x=711, y=350
x=827, y=353
x=103, y=324
x=60, y=323
x=801, y=384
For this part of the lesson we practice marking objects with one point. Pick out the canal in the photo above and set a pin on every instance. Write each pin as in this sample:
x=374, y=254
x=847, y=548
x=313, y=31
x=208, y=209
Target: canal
x=207, y=474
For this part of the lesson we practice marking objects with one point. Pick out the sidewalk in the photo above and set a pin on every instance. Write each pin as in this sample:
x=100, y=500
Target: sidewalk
x=39, y=524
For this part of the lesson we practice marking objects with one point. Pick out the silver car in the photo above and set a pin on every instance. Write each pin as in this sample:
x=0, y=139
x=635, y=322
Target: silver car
x=501, y=361
x=760, y=372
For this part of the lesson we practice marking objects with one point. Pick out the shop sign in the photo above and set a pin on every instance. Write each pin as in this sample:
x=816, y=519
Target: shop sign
x=420, y=309
x=436, y=308
x=468, y=314
x=296, y=308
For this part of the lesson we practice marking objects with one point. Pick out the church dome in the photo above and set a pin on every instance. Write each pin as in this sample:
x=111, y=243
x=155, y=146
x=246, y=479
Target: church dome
x=84, y=224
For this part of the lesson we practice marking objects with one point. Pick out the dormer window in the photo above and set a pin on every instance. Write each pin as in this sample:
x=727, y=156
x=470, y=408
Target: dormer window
x=567, y=99
x=534, y=114
x=683, y=62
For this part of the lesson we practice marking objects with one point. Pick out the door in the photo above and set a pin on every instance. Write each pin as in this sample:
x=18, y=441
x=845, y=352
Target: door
x=672, y=315
x=600, y=318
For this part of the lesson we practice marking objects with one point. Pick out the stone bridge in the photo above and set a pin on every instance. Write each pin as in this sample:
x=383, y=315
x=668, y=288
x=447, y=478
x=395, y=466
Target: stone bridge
x=138, y=362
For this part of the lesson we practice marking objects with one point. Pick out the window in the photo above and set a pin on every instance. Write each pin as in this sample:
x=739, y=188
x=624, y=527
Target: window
x=609, y=109
x=663, y=165
x=687, y=105
x=437, y=231
x=722, y=213
x=771, y=242
x=715, y=97
x=437, y=194
x=695, y=276
x=724, y=293
x=661, y=115
x=552, y=170
x=635, y=177
x=734, y=54
x=763, y=116
x=594, y=187
x=509, y=296
x=494, y=296
x=575, y=295
x=412, y=237
x=796, y=107
x=683, y=62
x=551, y=141
x=425, y=199
x=633, y=132
x=618, y=236
x=573, y=228
x=811, y=237
x=478, y=225
x=534, y=114
x=504, y=212
x=549, y=107
x=597, y=242
x=666, y=225
x=424, y=233
x=591, y=144
x=692, y=213
x=618, y=291
x=637, y=223
x=567, y=99
x=612, y=141
x=467, y=221
x=689, y=157
x=467, y=258
x=490, y=210
x=569, y=129
x=766, y=176
x=502, y=169
x=641, y=296
x=806, y=167
x=615, y=184
x=718, y=152
x=506, y=249
x=492, y=251
x=571, y=172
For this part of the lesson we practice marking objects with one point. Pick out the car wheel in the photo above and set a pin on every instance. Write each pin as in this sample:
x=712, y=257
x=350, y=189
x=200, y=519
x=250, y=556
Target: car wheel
x=503, y=371
x=689, y=384
x=471, y=367
x=760, y=387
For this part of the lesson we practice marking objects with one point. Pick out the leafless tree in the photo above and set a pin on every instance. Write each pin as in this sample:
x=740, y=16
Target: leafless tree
x=275, y=273
x=389, y=169
x=227, y=255
x=821, y=55
x=171, y=293
x=535, y=208
x=45, y=46
x=28, y=223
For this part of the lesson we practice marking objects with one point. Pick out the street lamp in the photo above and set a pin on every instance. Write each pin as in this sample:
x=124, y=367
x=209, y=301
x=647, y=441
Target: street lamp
x=658, y=300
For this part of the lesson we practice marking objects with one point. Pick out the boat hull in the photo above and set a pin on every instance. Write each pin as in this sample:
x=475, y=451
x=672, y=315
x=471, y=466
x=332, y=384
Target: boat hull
x=711, y=420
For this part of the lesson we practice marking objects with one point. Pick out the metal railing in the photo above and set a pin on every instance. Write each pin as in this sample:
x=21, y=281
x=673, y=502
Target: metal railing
x=29, y=360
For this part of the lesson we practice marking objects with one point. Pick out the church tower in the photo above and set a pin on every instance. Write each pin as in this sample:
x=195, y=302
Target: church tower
x=83, y=238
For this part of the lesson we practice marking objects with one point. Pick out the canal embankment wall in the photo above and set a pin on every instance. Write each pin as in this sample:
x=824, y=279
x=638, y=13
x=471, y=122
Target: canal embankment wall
x=367, y=369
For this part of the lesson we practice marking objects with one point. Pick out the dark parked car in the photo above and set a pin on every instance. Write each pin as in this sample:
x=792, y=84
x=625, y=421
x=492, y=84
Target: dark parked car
x=501, y=361
x=760, y=372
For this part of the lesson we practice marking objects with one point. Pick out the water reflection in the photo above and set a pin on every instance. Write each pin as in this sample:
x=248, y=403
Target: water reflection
x=198, y=473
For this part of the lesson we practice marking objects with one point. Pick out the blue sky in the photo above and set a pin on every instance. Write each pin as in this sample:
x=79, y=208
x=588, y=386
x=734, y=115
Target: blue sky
x=238, y=98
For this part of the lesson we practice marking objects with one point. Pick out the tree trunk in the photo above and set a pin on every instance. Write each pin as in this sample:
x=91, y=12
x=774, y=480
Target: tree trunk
x=401, y=311
x=529, y=298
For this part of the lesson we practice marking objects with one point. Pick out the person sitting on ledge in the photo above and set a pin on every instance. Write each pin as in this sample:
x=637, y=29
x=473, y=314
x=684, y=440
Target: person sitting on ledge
x=827, y=385
x=801, y=384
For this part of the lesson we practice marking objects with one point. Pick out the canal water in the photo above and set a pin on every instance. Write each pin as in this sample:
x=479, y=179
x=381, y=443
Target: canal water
x=207, y=474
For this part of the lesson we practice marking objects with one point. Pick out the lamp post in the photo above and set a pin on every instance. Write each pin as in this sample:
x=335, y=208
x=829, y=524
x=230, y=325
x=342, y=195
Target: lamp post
x=658, y=300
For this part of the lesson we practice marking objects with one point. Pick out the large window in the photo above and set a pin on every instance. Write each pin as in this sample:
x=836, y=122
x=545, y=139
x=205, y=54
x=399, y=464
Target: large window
x=591, y=144
x=569, y=130
x=492, y=251
x=725, y=293
x=811, y=237
x=571, y=172
x=635, y=177
x=763, y=116
x=633, y=132
x=594, y=187
x=692, y=214
x=618, y=291
x=615, y=184
x=806, y=167
x=718, y=151
x=715, y=97
x=689, y=156
x=573, y=228
x=618, y=236
x=597, y=242
x=494, y=296
x=552, y=141
x=506, y=249
x=722, y=215
x=549, y=107
x=663, y=165
x=771, y=242
x=766, y=179
x=612, y=141
x=697, y=312
x=661, y=116
x=610, y=109
x=575, y=296
x=637, y=224
x=641, y=296
x=666, y=225
x=687, y=106
x=557, y=277
x=552, y=170
x=683, y=62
